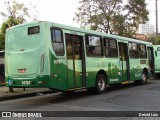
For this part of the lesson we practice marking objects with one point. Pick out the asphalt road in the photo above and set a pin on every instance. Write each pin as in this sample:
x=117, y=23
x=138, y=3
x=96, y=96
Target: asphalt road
x=118, y=98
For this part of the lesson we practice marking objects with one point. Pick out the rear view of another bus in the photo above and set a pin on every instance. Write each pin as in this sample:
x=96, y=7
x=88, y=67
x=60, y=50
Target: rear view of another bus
x=157, y=59
x=25, y=56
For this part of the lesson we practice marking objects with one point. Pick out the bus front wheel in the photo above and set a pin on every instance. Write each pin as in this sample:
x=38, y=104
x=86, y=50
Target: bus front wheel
x=100, y=83
x=144, y=78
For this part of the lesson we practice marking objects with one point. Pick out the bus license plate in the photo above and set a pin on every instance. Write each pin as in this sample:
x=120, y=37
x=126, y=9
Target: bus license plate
x=26, y=82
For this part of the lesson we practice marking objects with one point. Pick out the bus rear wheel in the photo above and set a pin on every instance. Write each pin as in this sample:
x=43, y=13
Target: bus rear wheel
x=100, y=84
x=143, y=81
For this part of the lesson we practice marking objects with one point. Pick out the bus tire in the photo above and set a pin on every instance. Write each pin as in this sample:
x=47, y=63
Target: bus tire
x=100, y=84
x=144, y=78
x=143, y=81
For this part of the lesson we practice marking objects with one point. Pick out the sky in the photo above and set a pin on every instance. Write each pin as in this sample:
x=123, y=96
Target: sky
x=63, y=11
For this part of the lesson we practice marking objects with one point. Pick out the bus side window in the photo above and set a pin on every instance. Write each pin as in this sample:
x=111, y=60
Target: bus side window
x=57, y=42
x=133, y=50
x=106, y=47
x=113, y=48
x=110, y=47
x=142, y=51
x=94, y=46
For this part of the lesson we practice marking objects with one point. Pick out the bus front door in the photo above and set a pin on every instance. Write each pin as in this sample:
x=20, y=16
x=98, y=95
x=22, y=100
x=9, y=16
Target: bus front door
x=75, y=61
x=124, y=61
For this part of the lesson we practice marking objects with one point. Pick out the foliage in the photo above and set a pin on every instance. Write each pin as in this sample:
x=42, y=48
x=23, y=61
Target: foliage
x=16, y=14
x=152, y=38
x=158, y=40
x=112, y=16
x=15, y=10
x=2, y=37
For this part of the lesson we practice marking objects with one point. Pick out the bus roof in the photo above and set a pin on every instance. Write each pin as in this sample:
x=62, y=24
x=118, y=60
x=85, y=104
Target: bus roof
x=85, y=31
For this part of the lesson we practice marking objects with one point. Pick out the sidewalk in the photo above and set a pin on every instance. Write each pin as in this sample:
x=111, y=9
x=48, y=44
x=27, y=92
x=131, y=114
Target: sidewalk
x=20, y=93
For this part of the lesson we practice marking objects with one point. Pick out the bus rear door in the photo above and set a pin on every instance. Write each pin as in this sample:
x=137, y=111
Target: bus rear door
x=75, y=60
x=124, y=61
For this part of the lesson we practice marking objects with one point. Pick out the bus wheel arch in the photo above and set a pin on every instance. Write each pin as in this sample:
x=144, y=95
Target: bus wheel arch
x=104, y=73
x=145, y=70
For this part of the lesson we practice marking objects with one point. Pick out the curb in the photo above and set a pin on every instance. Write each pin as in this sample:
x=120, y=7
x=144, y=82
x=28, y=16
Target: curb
x=23, y=95
x=2, y=84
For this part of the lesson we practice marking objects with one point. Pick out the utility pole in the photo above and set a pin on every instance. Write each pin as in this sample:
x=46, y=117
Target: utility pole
x=156, y=19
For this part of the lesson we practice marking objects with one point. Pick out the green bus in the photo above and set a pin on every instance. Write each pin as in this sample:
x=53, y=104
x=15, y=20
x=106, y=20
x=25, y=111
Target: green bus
x=65, y=58
x=157, y=59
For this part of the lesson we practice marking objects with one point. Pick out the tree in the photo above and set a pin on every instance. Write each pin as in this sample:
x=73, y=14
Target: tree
x=112, y=16
x=137, y=14
x=16, y=14
x=9, y=23
x=153, y=39
x=16, y=10
x=2, y=37
x=35, y=13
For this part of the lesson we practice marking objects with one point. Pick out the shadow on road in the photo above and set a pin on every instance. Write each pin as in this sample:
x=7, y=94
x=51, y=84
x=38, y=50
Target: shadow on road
x=57, y=98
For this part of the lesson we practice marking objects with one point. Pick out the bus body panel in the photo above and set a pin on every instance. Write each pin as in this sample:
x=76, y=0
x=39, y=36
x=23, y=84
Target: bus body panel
x=137, y=67
x=57, y=72
x=26, y=61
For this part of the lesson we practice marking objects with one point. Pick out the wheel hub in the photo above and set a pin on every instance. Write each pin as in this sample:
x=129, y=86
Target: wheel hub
x=101, y=84
x=144, y=77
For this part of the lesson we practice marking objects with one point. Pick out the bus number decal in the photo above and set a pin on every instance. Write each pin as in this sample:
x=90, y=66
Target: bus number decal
x=57, y=61
x=26, y=82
